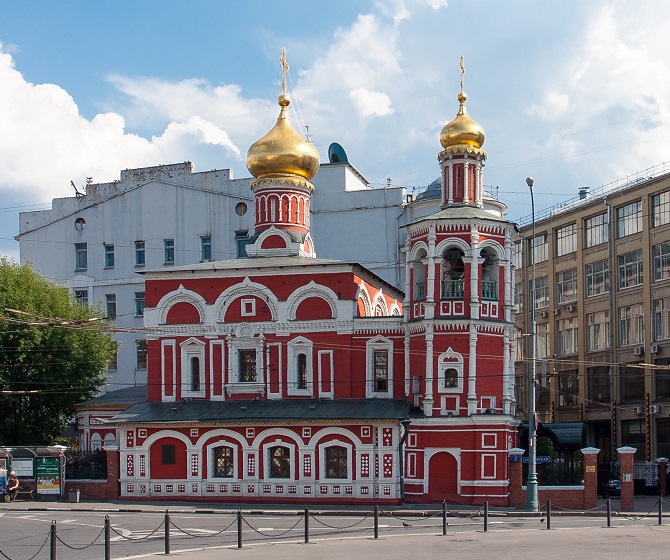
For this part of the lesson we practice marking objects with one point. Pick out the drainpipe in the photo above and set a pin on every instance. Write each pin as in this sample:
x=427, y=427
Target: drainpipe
x=405, y=424
x=613, y=276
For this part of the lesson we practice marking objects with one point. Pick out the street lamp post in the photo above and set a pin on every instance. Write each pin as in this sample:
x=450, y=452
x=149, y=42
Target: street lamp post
x=532, y=502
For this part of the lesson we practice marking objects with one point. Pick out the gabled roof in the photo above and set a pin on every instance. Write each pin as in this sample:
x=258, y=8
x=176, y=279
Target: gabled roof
x=264, y=411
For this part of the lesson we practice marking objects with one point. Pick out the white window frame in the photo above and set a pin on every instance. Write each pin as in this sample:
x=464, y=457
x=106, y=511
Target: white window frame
x=81, y=256
x=598, y=330
x=234, y=384
x=323, y=466
x=542, y=346
x=661, y=261
x=450, y=360
x=631, y=325
x=248, y=307
x=268, y=460
x=661, y=313
x=378, y=344
x=660, y=209
x=169, y=251
x=629, y=219
x=192, y=348
x=539, y=248
x=631, y=272
x=298, y=346
x=566, y=240
x=596, y=230
x=567, y=336
x=566, y=286
x=597, y=279
x=140, y=253
x=109, y=255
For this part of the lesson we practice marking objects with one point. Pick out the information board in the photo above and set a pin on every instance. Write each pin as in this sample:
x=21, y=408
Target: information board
x=48, y=475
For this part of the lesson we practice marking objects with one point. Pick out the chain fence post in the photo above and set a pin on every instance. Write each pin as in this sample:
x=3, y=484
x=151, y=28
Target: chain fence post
x=167, y=532
x=444, y=517
x=486, y=516
x=548, y=514
x=306, y=526
x=660, y=510
x=376, y=517
x=52, y=555
x=108, y=540
x=609, y=512
x=239, y=528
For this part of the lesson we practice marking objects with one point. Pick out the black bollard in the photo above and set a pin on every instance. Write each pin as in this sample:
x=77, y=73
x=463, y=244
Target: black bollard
x=444, y=517
x=548, y=514
x=53, y=541
x=108, y=540
x=306, y=525
x=609, y=513
x=167, y=532
x=660, y=510
x=486, y=516
x=376, y=521
x=239, y=528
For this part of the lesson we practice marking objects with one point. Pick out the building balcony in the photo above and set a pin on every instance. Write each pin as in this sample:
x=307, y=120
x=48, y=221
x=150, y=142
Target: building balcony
x=489, y=290
x=453, y=289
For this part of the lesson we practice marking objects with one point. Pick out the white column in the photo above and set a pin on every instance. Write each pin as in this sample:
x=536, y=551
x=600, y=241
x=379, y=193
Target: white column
x=450, y=181
x=466, y=182
x=474, y=272
x=507, y=371
x=430, y=280
x=472, y=371
x=408, y=282
x=428, y=399
x=407, y=365
x=508, y=279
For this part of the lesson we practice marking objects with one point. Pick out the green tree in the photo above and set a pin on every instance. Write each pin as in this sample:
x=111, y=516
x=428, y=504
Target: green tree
x=53, y=354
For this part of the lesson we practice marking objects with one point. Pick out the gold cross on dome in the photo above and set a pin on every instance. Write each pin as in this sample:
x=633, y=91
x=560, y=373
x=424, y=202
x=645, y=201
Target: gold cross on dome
x=284, y=70
x=462, y=71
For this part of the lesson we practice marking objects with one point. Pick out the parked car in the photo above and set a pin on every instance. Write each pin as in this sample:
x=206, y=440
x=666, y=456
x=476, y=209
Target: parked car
x=612, y=488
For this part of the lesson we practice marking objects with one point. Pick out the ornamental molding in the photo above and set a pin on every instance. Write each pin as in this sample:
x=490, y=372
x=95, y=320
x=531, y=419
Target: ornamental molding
x=461, y=149
x=180, y=295
x=311, y=290
x=272, y=179
x=245, y=288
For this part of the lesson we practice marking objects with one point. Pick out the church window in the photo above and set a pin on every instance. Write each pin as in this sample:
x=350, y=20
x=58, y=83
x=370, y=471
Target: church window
x=224, y=466
x=280, y=462
x=379, y=367
x=247, y=363
x=453, y=272
x=195, y=374
x=451, y=378
x=301, y=364
x=336, y=462
x=450, y=372
x=381, y=359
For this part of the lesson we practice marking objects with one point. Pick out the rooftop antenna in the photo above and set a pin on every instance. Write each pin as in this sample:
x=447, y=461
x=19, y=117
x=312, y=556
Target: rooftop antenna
x=76, y=191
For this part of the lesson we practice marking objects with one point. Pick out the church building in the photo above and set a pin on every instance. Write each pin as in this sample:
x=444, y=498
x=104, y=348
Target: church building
x=286, y=377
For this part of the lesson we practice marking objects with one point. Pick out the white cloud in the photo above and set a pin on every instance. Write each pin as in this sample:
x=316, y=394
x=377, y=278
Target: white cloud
x=371, y=103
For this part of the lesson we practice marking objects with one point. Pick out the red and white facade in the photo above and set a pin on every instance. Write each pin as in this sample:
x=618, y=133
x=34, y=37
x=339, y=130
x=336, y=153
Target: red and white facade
x=284, y=377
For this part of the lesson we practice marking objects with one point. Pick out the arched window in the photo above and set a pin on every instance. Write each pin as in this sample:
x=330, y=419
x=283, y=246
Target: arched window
x=224, y=467
x=195, y=374
x=419, y=273
x=453, y=272
x=451, y=378
x=489, y=274
x=301, y=364
x=280, y=462
x=336, y=462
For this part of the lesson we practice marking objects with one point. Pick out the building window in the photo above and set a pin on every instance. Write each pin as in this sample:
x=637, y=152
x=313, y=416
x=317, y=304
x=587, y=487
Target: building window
x=453, y=271
x=114, y=363
x=241, y=242
x=541, y=340
x=247, y=365
x=661, y=309
x=168, y=248
x=597, y=278
x=451, y=378
x=381, y=371
x=568, y=388
x=629, y=219
x=597, y=230
x=80, y=256
x=139, y=304
x=630, y=269
x=566, y=240
x=141, y=354
x=662, y=377
x=518, y=297
x=598, y=378
x=337, y=462
x=280, y=462
x=168, y=454
x=539, y=248
x=598, y=331
x=110, y=305
x=301, y=373
x=541, y=292
x=451, y=372
x=300, y=366
x=206, y=248
x=660, y=209
x=194, y=368
x=633, y=434
x=518, y=255
x=662, y=437
x=224, y=465
x=81, y=297
x=566, y=331
x=631, y=325
x=661, y=258
x=140, y=253
x=566, y=285
x=109, y=255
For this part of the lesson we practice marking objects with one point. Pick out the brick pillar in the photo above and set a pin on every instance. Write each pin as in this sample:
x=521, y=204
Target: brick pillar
x=662, y=478
x=517, y=495
x=627, y=486
x=590, y=462
x=113, y=472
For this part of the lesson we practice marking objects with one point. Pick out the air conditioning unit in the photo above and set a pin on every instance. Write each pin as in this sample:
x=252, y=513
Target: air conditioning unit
x=557, y=311
x=654, y=349
x=639, y=410
x=544, y=314
x=571, y=308
x=654, y=409
x=638, y=351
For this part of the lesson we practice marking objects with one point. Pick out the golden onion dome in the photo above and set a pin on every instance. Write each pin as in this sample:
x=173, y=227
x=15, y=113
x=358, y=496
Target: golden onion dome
x=462, y=131
x=282, y=151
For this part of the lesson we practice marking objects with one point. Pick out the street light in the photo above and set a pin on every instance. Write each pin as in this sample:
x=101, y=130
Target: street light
x=532, y=502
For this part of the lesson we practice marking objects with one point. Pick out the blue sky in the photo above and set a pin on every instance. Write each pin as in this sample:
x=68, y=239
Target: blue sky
x=573, y=93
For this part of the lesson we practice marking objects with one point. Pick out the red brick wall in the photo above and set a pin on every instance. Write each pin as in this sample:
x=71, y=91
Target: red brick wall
x=89, y=489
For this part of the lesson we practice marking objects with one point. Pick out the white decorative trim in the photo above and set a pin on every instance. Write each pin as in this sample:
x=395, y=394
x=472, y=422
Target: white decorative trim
x=180, y=295
x=311, y=290
x=245, y=288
